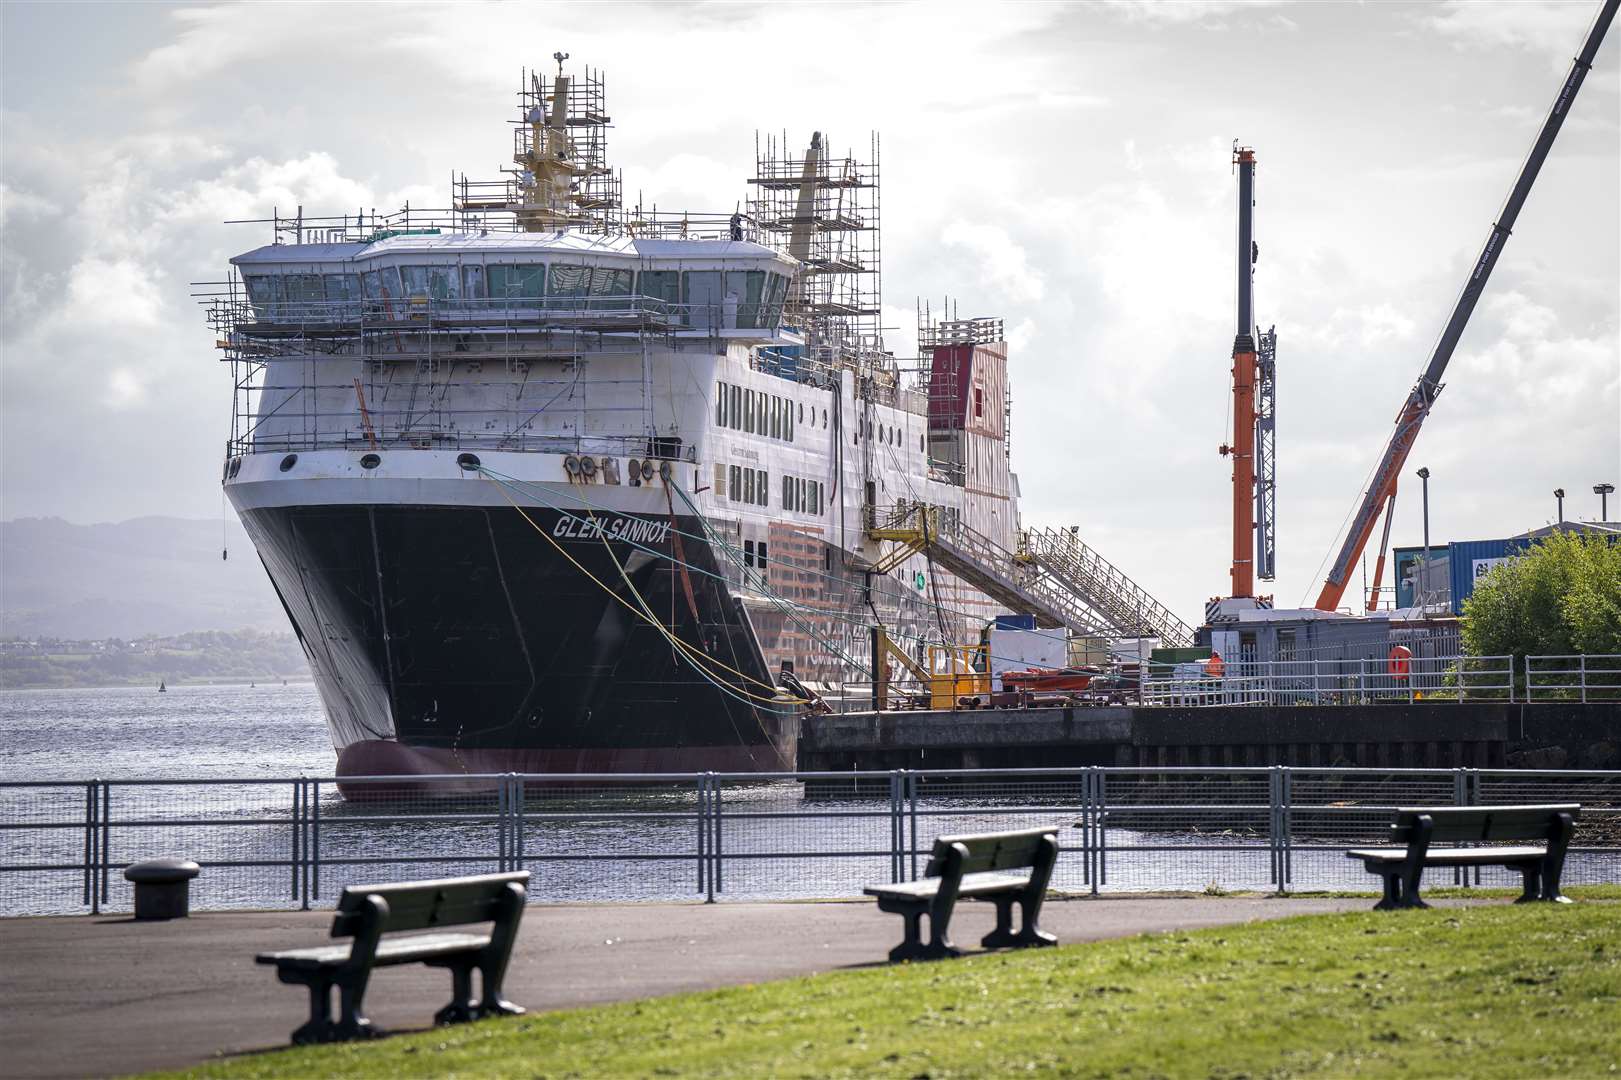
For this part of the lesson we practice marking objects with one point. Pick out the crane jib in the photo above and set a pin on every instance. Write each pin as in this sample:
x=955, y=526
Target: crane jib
x=1422, y=395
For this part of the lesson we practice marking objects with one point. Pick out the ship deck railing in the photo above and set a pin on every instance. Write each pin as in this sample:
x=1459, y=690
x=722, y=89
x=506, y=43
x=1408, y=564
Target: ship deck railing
x=248, y=324
x=358, y=440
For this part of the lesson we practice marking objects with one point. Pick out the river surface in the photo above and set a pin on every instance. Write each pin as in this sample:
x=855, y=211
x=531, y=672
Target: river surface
x=133, y=732
x=211, y=772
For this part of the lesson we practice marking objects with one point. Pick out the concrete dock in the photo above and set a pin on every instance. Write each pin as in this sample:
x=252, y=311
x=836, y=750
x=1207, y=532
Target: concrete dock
x=94, y=995
x=1480, y=735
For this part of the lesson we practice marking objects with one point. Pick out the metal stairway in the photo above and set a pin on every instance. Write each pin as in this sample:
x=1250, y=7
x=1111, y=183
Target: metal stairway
x=1053, y=575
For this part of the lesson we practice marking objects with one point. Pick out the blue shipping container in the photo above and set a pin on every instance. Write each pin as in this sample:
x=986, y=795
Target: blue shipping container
x=1472, y=558
x=1015, y=622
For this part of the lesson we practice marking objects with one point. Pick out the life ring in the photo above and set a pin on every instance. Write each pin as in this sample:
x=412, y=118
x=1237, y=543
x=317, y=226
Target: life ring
x=1401, y=661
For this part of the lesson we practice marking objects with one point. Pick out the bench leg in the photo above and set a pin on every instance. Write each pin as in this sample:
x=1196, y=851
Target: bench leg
x=911, y=946
x=352, y=1022
x=1029, y=933
x=318, y=1028
x=1002, y=937
x=1409, y=888
x=1392, y=898
x=1531, y=874
x=1551, y=872
x=940, y=946
x=462, y=1008
x=493, y=1003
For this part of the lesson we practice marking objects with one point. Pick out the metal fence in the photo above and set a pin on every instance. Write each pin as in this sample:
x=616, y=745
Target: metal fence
x=1584, y=677
x=1340, y=682
x=298, y=842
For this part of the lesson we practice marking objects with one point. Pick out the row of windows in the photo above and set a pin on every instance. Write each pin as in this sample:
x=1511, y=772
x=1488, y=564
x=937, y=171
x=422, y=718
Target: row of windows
x=759, y=413
x=755, y=412
x=742, y=299
x=746, y=485
x=889, y=436
x=751, y=486
x=802, y=495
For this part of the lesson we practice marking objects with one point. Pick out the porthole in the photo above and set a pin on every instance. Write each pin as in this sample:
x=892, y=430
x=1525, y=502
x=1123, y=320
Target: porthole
x=288, y=462
x=468, y=461
x=588, y=465
x=370, y=461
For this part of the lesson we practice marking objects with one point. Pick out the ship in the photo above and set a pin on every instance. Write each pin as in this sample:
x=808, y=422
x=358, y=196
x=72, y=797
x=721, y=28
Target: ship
x=551, y=483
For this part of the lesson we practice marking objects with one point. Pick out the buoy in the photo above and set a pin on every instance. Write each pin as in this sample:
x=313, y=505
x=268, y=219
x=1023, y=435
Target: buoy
x=1401, y=661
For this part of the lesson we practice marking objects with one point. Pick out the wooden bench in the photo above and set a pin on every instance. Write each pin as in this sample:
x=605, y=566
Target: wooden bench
x=1417, y=828
x=975, y=868
x=366, y=913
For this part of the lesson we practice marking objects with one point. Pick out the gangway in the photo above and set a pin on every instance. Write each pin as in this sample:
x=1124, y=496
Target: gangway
x=1053, y=575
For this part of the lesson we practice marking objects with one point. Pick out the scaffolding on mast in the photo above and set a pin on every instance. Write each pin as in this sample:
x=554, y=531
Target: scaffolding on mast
x=824, y=210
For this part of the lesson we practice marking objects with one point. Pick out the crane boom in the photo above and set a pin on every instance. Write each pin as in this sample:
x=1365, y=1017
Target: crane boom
x=1423, y=394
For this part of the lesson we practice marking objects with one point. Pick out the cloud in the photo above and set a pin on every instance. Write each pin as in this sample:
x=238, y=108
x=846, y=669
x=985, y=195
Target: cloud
x=1538, y=27
x=24, y=204
x=1000, y=262
x=1182, y=12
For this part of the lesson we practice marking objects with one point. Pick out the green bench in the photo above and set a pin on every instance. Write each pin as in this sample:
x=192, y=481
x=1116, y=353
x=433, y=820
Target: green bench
x=379, y=919
x=1416, y=829
x=980, y=867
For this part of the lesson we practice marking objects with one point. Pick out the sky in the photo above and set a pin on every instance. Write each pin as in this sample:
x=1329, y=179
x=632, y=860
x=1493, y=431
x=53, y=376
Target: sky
x=1063, y=166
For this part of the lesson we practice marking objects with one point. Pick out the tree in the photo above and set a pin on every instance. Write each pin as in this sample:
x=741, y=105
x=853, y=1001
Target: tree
x=1562, y=596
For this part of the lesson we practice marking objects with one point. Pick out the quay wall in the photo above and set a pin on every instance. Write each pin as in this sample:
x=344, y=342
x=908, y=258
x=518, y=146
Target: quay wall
x=1482, y=735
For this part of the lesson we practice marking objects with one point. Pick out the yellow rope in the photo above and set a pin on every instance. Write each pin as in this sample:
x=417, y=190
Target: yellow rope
x=694, y=655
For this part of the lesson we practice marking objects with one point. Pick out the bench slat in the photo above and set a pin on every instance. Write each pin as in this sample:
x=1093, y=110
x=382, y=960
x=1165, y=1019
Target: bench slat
x=1453, y=824
x=394, y=950
x=981, y=884
x=422, y=905
x=1486, y=856
x=990, y=851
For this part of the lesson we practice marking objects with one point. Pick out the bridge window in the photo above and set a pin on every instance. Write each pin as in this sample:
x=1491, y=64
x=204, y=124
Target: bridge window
x=524, y=281
x=736, y=411
x=473, y=283
x=736, y=484
x=569, y=281
x=265, y=293
x=748, y=411
x=701, y=291
x=720, y=405
x=748, y=485
x=663, y=286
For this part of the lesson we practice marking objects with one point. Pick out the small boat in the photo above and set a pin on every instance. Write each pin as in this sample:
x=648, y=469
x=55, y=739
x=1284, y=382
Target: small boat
x=162, y=689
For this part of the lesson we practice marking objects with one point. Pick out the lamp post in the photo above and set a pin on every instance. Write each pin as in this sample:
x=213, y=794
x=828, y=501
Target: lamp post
x=1559, y=494
x=1603, y=493
x=1424, y=567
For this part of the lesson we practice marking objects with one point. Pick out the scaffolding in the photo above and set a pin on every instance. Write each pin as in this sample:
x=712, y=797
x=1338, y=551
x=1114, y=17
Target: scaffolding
x=824, y=211
x=560, y=176
x=1266, y=457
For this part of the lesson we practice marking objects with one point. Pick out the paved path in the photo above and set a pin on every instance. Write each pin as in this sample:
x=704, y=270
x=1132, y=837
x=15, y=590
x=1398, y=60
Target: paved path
x=92, y=995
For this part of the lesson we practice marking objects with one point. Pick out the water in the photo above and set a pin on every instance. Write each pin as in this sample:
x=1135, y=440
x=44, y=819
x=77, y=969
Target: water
x=188, y=731
x=267, y=840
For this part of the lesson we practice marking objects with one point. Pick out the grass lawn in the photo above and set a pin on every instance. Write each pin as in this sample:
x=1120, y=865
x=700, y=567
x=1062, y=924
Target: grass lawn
x=1497, y=991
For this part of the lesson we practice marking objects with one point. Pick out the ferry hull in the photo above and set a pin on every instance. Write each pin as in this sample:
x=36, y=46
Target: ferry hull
x=470, y=639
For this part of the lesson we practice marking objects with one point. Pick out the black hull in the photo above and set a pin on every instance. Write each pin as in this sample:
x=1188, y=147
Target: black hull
x=462, y=639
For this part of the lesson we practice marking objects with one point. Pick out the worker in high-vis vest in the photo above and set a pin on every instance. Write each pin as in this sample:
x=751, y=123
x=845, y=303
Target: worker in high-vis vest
x=1213, y=667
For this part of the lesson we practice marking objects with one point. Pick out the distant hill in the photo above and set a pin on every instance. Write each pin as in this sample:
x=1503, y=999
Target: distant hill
x=149, y=575
x=206, y=656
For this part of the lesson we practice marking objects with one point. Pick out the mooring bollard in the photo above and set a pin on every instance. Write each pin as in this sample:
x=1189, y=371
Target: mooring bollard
x=162, y=887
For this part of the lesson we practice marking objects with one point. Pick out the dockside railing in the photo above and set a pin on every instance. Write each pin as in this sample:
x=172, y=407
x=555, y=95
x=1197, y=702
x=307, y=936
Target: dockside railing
x=296, y=842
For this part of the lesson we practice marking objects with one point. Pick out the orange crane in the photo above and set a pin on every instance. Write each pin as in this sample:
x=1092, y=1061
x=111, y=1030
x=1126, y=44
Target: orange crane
x=1421, y=398
x=1242, y=449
